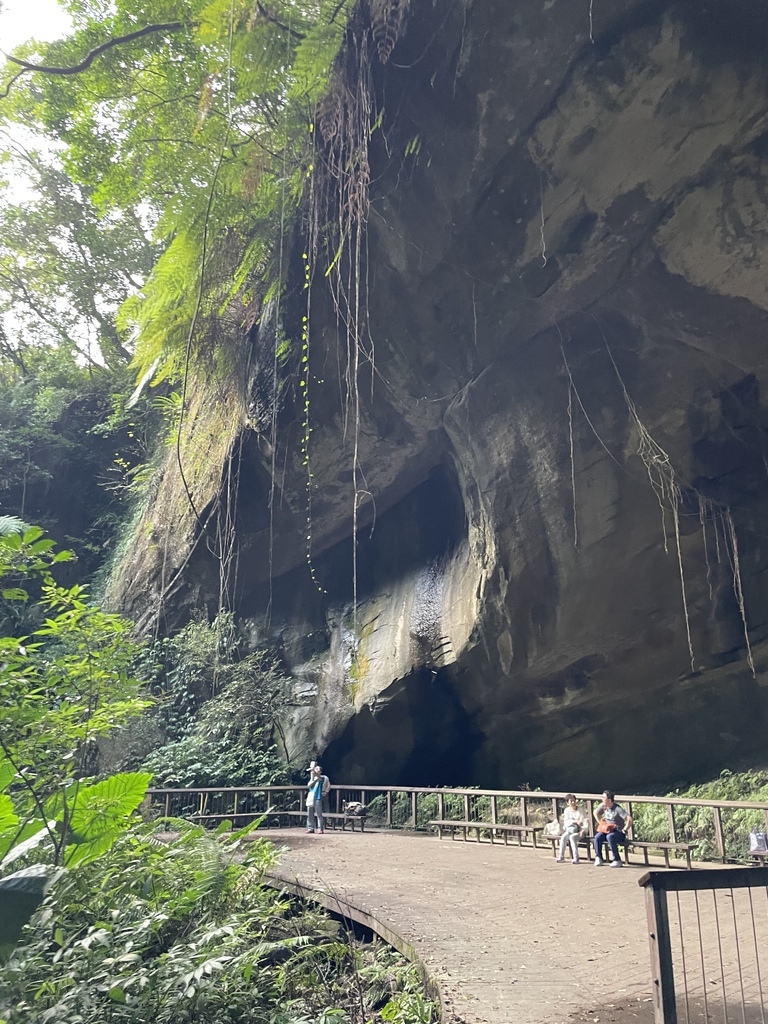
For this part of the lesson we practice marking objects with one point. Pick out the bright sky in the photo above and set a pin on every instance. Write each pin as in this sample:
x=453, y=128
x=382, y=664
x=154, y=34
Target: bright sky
x=20, y=20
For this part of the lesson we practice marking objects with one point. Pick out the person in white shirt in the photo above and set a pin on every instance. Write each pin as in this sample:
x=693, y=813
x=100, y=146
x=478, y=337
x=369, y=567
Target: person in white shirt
x=574, y=826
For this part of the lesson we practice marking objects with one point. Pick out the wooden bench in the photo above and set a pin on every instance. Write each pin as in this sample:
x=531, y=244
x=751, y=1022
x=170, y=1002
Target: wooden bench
x=666, y=848
x=345, y=819
x=760, y=858
x=332, y=817
x=638, y=844
x=490, y=827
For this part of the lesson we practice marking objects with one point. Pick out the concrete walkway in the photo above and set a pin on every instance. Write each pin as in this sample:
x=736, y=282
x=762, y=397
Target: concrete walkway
x=509, y=935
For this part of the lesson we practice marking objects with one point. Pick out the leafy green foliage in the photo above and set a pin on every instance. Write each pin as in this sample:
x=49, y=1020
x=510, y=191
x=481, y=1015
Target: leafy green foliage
x=64, y=267
x=696, y=824
x=220, y=708
x=61, y=687
x=205, y=128
x=171, y=928
x=26, y=557
x=64, y=432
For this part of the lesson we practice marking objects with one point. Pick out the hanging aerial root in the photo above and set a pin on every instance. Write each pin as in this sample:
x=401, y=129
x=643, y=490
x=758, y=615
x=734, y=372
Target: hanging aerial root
x=661, y=475
x=573, y=464
x=736, y=572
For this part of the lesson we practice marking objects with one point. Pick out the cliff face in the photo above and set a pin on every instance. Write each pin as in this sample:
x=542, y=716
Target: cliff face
x=563, y=452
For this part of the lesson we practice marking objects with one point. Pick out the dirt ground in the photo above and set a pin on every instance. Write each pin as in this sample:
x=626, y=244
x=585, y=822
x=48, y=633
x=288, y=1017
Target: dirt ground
x=509, y=935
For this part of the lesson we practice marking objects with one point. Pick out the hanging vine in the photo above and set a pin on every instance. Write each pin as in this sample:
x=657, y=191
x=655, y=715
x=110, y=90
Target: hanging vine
x=669, y=494
x=340, y=196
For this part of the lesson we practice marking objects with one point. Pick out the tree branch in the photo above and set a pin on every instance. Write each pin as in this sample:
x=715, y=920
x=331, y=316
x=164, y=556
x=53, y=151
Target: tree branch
x=274, y=21
x=170, y=26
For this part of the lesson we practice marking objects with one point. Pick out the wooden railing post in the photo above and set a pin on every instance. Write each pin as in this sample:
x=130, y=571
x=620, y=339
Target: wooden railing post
x=719, y=840
x=389, y=808
x=414, y=813
x=167, y=805
x=466, y=807
x=671, y=820
x=441, y=806
x=523, y=811
x=664, y=1008
x=494, y=810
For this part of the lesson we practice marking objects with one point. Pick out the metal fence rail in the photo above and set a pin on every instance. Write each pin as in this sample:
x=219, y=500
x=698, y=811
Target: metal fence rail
x=720, y=829
x=708, y=936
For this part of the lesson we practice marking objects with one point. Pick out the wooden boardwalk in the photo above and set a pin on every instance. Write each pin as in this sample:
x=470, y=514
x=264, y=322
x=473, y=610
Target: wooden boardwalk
x=508, y=935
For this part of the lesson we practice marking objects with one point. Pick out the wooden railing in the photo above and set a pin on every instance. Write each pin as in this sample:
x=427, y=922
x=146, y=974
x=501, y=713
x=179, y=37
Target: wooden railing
x=720, y=828
x=708, y=937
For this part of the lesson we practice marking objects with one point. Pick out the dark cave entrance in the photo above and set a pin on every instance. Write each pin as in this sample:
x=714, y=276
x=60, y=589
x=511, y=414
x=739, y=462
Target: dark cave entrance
x=419, y=736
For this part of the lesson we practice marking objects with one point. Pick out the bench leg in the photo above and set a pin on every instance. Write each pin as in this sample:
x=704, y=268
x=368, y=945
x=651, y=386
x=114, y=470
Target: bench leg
x=506, y=837
x=688, y=859
x=666, y=858
x=492, y=839
x=534, y=841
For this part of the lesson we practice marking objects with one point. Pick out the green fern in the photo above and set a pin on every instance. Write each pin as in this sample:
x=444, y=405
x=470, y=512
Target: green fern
x=11, y=525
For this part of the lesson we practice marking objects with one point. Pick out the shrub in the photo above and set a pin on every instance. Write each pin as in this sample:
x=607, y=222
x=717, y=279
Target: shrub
x=696, y=824
x=174, y=929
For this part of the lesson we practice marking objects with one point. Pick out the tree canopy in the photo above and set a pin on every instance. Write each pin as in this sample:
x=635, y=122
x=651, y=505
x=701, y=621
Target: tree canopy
x=175, y=159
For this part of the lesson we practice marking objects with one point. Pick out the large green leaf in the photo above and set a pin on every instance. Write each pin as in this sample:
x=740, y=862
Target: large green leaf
x=89, y=849
x=8, y=817
x=7, y=774
x=97, y=812
x=101, y=804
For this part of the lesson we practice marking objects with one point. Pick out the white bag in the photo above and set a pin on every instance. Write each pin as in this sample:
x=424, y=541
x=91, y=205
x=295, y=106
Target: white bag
x=758, y=842
x=310, y=799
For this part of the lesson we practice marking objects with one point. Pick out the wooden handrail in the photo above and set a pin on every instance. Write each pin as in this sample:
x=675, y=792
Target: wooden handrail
x=288, y=795
x=526, y=794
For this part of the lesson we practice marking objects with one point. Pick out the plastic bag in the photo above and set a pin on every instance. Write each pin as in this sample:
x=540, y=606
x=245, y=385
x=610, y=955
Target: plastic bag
x=758, y=842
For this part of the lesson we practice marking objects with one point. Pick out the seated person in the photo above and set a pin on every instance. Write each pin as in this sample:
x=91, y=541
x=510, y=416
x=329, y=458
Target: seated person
x=612, y=822
x=574, y=826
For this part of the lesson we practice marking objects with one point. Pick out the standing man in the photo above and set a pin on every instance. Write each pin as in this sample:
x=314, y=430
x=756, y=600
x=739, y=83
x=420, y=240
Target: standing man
x=318, y=787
